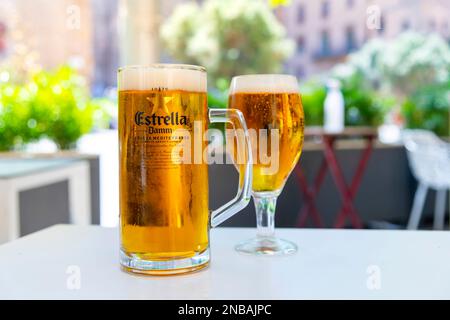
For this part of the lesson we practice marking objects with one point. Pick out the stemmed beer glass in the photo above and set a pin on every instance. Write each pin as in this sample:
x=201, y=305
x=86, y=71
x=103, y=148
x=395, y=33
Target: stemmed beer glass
x=273, y=110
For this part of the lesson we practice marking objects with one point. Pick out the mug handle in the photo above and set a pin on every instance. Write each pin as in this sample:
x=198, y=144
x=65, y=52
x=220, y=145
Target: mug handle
x=242, y=199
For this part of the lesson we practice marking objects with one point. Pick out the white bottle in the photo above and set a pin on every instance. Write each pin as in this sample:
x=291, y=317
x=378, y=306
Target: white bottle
x=334, y=108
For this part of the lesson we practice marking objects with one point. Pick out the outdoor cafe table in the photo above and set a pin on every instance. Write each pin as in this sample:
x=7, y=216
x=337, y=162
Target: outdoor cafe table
x=330, y=264
x=330, y=162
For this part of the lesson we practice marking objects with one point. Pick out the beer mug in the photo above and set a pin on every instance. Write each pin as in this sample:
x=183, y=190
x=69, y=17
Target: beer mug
x=164, y=213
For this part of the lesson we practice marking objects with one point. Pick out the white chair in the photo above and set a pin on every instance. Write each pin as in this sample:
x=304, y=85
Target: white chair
x=429, y=159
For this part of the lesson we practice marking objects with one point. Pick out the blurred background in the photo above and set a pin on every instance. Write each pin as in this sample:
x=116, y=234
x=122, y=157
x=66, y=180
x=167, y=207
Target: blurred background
x=390, y=60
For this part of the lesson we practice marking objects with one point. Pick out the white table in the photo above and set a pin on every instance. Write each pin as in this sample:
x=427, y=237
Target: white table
x=330, y=264
x=17, y=175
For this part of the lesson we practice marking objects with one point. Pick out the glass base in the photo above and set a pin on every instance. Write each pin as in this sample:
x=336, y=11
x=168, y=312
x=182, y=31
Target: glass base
x=133, y=264
x=267, y=246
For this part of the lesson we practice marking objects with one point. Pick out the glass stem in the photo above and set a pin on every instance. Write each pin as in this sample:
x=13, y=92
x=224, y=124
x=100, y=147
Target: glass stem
x=265, y=215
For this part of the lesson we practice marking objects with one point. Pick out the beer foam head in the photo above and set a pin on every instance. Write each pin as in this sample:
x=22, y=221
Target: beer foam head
x=264, y=83
x=163, y=76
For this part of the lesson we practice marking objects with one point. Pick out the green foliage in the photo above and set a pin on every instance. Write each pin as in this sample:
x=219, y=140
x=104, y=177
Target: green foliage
x=428, y=109
x=105, y=110
x=62, y=97
x=363, y=106
x=217, y=100
x=313, y=98
x=414, y=60
x=403, y=64
x=401, y=68
x=14, y=116
x=227, y=37
x=218, y=96
x=52, y=104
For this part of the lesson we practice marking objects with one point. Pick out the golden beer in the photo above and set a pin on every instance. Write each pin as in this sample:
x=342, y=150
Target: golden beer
x=164, y=212
x=280, y=111
x=164, y=206
x=274, y=114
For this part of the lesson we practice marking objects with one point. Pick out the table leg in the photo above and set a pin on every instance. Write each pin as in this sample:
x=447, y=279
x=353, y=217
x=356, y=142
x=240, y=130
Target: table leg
x=309, y=208
x=356, y=179
x=9, y=212
x=339, y=179
x=79, y=195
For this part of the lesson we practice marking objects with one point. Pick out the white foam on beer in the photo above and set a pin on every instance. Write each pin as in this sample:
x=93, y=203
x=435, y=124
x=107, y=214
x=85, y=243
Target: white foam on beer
x=261, y=83
x=169, y=77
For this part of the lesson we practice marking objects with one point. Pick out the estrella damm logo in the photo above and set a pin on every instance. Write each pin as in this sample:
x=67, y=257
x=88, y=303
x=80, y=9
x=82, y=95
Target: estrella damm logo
x=153, y=121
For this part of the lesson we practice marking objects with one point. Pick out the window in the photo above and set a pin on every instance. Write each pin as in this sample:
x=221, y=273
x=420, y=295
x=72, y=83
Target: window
x=300, y=44
x=382, y=25
x=432, y=25
x=325, y=11
x=2, y=37
x=301, y=14
x=325, y=43
x=300, y=71
x=350, y=38
x=406, y=25
x=445, y=26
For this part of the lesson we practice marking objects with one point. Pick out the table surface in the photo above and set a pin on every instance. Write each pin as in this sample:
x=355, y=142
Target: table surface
x=330, y=264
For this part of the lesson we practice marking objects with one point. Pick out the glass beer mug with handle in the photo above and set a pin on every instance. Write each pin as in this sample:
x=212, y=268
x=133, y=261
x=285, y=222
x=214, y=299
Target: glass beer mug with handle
x=273, y=110
x=164, y=215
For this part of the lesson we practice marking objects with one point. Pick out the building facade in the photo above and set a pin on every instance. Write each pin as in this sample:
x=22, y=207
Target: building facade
x=326, y=31
x=100, y=35
x=57, y=32
x=105, y=44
